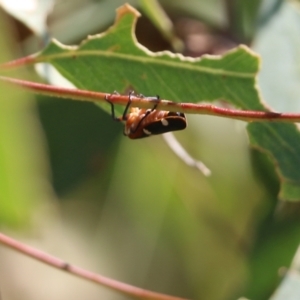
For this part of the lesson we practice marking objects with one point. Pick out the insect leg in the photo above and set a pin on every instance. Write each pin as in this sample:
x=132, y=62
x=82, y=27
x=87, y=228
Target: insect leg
x=148, y=112
x=113, y=115
x=124, y=117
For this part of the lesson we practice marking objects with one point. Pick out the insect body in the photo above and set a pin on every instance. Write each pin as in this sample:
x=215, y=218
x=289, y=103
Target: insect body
x=141, y=123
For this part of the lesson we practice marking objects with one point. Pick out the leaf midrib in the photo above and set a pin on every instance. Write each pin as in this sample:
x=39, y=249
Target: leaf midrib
x=178, y=65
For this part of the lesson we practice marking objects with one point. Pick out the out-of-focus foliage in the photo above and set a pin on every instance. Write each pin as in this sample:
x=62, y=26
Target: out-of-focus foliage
x=32, y=13
x=23, y=170
x=132, y=210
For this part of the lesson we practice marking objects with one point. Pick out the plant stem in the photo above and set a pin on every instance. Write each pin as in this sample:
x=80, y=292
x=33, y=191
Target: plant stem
x=144, y=102
x=82, y=273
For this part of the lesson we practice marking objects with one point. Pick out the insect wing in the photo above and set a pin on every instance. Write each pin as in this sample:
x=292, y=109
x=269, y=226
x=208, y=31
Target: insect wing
x=172, y=122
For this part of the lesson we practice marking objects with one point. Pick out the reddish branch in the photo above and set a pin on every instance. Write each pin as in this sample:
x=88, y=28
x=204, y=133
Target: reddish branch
x=96, y=278
x=20, y=62
x=189, y=108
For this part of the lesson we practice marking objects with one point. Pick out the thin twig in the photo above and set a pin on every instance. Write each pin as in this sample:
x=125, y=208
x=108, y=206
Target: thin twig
x=20, y=62
x=144, y=102
x=82, y=273
x=179, y=150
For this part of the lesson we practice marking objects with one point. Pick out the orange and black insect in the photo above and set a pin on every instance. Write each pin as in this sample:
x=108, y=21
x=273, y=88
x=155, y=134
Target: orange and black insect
x=141, y=123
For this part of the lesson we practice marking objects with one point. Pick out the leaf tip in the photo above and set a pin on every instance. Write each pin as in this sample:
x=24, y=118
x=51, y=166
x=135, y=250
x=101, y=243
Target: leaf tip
x=127, y=9
x=252, y=53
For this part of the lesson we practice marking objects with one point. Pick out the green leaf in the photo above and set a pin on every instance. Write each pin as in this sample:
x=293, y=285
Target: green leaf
x=281, y=141
x=242, y=18
x=277, y=244
x=115, y=61
x=23, y=166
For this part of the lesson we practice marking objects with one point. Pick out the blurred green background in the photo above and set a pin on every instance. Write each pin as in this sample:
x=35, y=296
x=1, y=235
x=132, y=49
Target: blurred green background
x=73, y=186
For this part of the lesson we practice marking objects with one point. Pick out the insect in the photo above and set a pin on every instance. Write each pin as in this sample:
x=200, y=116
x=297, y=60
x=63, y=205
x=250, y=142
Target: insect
x=141, y=122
